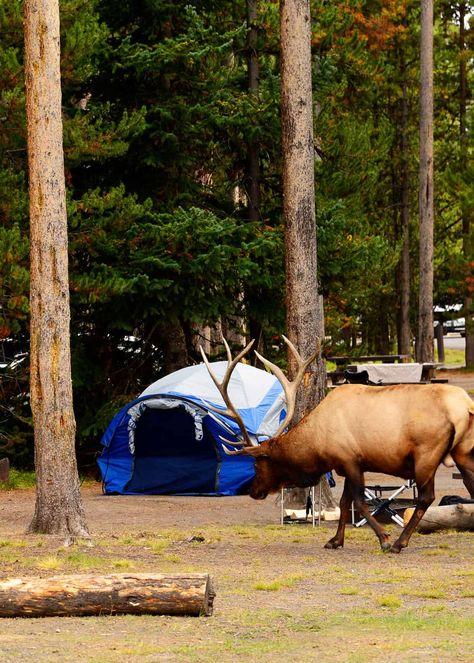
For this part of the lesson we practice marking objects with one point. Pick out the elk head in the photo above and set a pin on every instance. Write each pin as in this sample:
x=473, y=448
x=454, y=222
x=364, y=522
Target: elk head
x=272, y=467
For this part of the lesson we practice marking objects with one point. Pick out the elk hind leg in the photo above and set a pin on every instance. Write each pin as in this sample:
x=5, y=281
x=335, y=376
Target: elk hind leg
x=465, y=464
x=358, y=489
x=425, y=498
x=337, y=541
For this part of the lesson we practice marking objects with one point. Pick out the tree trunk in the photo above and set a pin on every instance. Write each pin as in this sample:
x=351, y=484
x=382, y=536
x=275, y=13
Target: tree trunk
x=303, y=304
x=424, y=349
x=4, y=470
x=115, y=594
x=404, y=344
x=252, y=176
x=440, y=341
x=58, y=507
x=172, y=340
x=467, y=241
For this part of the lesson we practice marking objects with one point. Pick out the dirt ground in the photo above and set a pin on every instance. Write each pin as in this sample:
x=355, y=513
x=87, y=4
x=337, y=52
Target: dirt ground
x=109, y=514
x=279, y=593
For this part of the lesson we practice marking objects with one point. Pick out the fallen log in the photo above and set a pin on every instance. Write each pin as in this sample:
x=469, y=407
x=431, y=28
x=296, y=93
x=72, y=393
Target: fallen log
x=114, y=594
x=452, y=516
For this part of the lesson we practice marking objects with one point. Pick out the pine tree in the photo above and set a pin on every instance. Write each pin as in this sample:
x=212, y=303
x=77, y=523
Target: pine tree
x=424, y=348
x=58, y=508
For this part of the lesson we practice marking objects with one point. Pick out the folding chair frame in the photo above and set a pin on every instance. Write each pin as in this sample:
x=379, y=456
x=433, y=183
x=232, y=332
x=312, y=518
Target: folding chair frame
x=382, y=505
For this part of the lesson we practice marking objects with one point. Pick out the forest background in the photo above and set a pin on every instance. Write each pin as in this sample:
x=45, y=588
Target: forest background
x=167, y=231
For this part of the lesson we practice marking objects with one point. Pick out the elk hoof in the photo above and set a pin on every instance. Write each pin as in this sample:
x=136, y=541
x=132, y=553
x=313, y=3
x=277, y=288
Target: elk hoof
x=395, y=548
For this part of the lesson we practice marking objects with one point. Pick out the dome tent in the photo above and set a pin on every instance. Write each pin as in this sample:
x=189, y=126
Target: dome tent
x=167, y=441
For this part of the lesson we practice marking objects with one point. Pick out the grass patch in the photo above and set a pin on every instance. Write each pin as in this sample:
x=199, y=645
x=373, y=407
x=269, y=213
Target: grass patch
x=51, y=563
x=11, y=543
x=278, y=583
x=420, y=620
x=122, y=564
x=270, y=534
x=18, y=479
x=389, y=601
x=349, y=591
x=173, y=559
x=396, y=575
x=465, y=573
x=429, y=594
x=452, y=357
x=439, y=552
x=158, y=547
x=80, y=561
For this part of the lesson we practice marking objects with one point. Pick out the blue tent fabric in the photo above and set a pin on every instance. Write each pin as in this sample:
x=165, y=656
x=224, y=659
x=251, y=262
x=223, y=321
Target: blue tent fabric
x=168, y=440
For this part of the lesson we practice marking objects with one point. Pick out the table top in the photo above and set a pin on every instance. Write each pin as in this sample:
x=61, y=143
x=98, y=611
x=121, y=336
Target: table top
x=390, y=373
x=385, y=359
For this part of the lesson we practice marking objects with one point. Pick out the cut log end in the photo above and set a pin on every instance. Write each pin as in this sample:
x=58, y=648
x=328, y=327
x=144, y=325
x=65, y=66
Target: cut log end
x=114, y=594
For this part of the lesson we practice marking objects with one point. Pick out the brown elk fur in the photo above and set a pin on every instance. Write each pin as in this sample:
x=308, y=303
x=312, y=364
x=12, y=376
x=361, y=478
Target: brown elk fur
x=402, y=430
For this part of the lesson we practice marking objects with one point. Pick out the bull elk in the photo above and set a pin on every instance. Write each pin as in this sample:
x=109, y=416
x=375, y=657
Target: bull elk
x=404, y=430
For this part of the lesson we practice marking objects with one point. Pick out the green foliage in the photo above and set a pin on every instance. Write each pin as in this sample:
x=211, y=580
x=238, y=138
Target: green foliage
x=18, y=480
x=163, y=264
x=454, y=254
x=158, y=122
x=14, y=280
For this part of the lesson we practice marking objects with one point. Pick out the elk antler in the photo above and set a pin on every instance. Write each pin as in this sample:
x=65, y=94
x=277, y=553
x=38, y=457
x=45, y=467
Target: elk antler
x=290, y=388
x=231, y=410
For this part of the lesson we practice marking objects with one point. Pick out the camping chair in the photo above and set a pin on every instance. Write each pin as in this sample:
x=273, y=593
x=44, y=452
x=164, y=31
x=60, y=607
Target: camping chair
x=380, y=505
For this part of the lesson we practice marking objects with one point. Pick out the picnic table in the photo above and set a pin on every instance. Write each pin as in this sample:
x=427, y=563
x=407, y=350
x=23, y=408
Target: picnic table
x=386, y=372
x=398, y=373
x=343, y=361
x=385, y=359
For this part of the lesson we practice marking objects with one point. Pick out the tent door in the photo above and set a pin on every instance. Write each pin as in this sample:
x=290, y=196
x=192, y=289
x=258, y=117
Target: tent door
x=168, y=458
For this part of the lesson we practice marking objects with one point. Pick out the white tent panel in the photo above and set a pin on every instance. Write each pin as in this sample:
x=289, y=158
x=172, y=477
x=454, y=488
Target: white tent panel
x=247, y=387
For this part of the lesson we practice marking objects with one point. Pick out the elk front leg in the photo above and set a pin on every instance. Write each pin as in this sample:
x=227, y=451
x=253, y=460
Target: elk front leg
x=425, y=498
x=337, y=541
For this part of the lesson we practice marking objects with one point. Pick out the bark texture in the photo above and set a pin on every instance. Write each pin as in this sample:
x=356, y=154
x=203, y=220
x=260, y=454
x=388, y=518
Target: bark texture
x=456, y=516
x=303, y=303
x=425, y=349
x=404, y=344
x=252, y=175
x=58, y=507
x=115, y=594
x=252, y=168
x=468, y=242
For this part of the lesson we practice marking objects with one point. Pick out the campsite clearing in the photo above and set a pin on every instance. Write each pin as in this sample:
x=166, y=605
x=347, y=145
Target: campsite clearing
x=278, y=592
